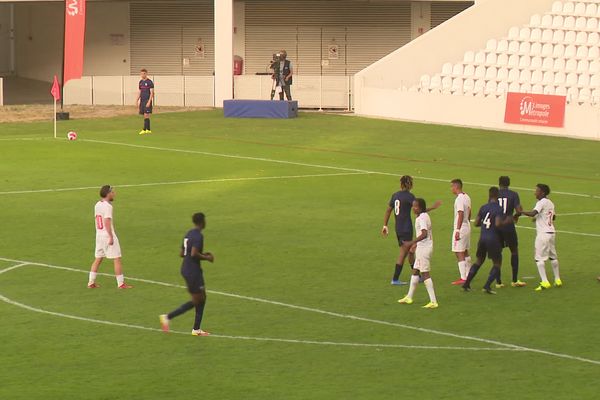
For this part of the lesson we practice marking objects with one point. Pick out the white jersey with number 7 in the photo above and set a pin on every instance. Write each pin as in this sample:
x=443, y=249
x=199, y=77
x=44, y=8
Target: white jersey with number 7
x=544, y=220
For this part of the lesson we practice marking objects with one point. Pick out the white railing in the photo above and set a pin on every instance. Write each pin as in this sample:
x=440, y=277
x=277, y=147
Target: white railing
x=317, y=92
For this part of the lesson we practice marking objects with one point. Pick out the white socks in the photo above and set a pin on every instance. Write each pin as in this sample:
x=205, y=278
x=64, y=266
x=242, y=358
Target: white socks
x=120, y=280
x=93, y=276
x=468, y=266
x=555, y=269
x=542, y=270
x=429, y=286
x=462, y=268
x=414, y=281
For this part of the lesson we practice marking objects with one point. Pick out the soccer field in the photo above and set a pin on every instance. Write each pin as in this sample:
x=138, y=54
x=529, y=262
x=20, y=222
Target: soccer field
x=300, y=303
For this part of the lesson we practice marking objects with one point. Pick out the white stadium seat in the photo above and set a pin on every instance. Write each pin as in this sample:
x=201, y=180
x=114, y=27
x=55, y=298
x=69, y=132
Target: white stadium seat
x=502, y=60
x=468, y=86
x=581, y=23
x=584, y=80
x=582, y=38
x=537, y=89
x=596, y=96
x=548, y=63
x=491, y=73
x=524, y=62
x=491, y=45
x=436, y=83
x=513, y=47
x=424, y=82
x=571, y=65
x=502, y=46
x=557, y=7
x=469, y=57
x=458, y=70
x=558, y=21
x=513, y=33
x=548, y=78
x=570, y=51
x=525, y=88
x=549, y=89
x=535, y=20
x=561, y=91
x=547, y=49
x=469, y=70
x=502, y=74
x=572, y=94
x=595, y=81
x=446, y=84
x=568, y=23
x=558, y=36
x=480, y=72
x=547, y=35
x=513, y=75
x=514, y=87
x=447, y=69
x=593, y=39
x=595, y=67
x=536, y=49
x=560, y=78
x=457, y=85
x=536, y=63
x=585, y=96
x=525, y=76
x=502, y=88
x=559, y=51
x=513, y=60
x=524, y=34
x=582, y=52
x=591, y=10
x=592, y=24
x=570, y=37
x=579, y=9
x=559, y=64
x=571, y=79
x=547, y=21
x=583, y=66
x=480, y=57
x=490, y=88
x=479, y=86
x=568, y=8
x=537, y=76
x=491, y=59
x=536, y=35
x=525, y=48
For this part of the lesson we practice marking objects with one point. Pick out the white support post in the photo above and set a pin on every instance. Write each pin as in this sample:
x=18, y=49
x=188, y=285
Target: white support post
x=223, y=51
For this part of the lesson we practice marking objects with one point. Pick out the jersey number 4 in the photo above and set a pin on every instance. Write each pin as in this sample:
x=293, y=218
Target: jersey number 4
x=486, y=221
x=99, y=222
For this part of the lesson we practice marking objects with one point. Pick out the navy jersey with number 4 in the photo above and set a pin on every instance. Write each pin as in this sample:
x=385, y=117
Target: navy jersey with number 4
x=487, y=215
x=193, y=238
x=401, y=204
x=145, y=86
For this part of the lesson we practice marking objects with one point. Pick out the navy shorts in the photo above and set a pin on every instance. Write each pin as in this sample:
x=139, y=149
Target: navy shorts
x=194, y=279
x=144, y=109
x=508, y=237
x=403, y=237
x=489, y=248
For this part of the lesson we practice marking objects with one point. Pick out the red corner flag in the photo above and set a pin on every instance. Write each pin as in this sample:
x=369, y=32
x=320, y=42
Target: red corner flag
x=55, y=91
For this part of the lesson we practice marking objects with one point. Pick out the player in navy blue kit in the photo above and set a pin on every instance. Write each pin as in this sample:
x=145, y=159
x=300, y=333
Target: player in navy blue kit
x=509, y=202
x=401, y=204
x=192, y=252
x=145, y=100
x=491, y=219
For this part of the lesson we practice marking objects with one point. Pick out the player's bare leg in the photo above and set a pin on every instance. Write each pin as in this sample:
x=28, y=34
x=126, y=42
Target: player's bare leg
x=119, y=274
x=94, y=273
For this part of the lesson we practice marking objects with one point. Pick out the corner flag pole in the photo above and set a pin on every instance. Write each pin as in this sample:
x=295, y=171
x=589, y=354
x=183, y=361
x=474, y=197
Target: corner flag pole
x=55, y=92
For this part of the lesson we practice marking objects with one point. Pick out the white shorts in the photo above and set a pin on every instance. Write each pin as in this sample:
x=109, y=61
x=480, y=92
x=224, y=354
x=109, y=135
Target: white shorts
x=545, y=247
x=104, y=250
x=423, y=259
x=464, y=244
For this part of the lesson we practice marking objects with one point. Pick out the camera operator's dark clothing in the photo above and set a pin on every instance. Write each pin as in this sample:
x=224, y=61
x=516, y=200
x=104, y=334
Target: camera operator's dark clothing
x=285, y=67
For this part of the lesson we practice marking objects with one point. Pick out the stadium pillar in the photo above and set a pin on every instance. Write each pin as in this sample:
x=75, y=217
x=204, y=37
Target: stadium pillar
x=223, y=51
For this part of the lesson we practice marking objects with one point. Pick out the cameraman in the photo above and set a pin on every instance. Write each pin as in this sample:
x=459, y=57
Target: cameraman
x=283, y=74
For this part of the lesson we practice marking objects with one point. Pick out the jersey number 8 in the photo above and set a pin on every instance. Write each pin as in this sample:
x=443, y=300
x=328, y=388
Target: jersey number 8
x=397, y=207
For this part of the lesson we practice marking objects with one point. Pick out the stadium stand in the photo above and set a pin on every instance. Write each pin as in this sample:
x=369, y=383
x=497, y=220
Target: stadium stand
x=555, y=53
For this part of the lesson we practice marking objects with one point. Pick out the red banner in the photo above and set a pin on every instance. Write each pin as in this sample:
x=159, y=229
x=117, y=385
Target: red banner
x=535, y=109
x=55, y=91
x=74, y=39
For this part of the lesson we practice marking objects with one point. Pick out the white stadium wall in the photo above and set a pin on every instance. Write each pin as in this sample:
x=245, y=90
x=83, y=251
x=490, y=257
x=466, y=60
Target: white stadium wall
x=386, y=88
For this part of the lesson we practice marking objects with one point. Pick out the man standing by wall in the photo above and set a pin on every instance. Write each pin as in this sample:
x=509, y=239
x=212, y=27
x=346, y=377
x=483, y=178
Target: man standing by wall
x=284, y=78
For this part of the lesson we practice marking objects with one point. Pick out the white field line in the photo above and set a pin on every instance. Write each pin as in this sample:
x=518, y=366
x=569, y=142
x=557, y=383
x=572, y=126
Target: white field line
x=24, y=138
x=248, y=338
x=270, y=160
x=11, y=268
x=566, y=232
x=216, y=180
x=578, y=213
x=339, y=315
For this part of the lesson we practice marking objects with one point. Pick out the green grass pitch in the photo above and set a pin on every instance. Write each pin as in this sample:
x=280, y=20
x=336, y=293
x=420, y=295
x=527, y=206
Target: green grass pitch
x=294, y=211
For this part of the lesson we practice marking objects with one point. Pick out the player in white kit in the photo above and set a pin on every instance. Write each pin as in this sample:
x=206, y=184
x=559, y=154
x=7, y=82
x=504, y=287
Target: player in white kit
x=423, y=253
x=107, y=242
x=545, y=240
x=461, y=234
